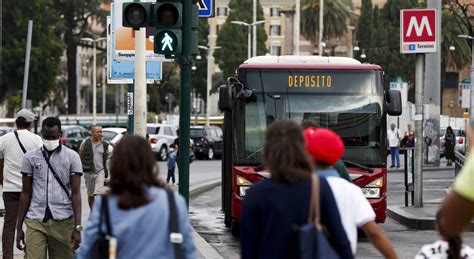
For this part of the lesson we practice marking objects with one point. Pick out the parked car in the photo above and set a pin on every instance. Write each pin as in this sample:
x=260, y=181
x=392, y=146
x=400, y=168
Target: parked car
x=113, y=135
x=73, y=135
x=5, y=130
x=207, y=141
x=460, y=141
x=161, y=136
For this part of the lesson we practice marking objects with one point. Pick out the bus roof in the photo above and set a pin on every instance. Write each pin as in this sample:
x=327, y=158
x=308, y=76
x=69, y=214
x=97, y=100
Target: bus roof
x=307, y=62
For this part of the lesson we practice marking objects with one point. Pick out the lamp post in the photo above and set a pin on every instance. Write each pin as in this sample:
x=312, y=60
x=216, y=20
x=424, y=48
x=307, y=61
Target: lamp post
x=209, y=78
x=94, y=76
x=471, y=110
x=451, y=106
x=249, y=27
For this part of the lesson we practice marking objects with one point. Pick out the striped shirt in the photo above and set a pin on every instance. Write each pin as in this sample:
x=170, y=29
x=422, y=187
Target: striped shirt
x=46, y=191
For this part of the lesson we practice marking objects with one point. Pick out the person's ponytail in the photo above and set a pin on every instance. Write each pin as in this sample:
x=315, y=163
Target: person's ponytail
x=455, y=244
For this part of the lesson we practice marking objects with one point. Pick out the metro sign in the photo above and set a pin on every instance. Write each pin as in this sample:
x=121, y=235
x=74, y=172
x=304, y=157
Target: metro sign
x=419, y=29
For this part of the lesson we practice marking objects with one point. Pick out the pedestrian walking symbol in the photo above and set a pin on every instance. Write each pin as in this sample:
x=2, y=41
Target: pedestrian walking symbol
x=167, y=41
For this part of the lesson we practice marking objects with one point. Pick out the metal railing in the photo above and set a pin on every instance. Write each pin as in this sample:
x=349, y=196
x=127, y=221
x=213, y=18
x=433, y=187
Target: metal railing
x=459, y=159
x=409, y=173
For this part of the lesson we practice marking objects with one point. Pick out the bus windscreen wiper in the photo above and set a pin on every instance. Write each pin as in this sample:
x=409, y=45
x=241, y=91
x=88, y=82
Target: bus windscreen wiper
x=363, y=167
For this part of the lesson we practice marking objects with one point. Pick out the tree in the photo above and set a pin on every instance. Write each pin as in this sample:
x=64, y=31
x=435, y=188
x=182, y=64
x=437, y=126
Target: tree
x=365, y=26
x=383, y=48
x=336, y=15
x=233, y=38
x=46, y=49
x=77, y=17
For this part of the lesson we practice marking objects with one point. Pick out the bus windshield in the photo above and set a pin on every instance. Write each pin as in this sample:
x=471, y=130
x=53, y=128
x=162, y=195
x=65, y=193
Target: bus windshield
x=356, y=116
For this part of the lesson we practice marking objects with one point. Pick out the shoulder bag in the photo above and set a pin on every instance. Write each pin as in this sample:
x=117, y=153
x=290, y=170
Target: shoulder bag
x=313, y=244
x=176, y=237
x=100, y=249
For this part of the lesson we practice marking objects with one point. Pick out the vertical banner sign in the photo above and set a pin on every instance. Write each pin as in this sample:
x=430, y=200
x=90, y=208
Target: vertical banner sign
x=419, y=31
x=130, y=103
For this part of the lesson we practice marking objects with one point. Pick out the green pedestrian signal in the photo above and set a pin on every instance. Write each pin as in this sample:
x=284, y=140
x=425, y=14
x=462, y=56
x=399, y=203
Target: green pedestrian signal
x=166, y=42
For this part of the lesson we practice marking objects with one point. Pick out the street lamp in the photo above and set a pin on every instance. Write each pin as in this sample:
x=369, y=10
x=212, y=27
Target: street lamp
x=209, y=78
x=363, y=56
x=249, y=27
x=94, y=78
x=471, y=111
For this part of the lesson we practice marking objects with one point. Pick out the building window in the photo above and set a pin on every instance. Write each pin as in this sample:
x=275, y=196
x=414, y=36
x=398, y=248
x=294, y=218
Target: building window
x=275, y=50
x=222, y=11
x=218, y=28
x=275, y=30
x=275, y=11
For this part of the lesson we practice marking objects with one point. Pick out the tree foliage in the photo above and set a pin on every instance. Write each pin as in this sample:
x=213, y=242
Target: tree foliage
x=46, y=49
x=335, y=15
x=77, y=15
x=233, y=38
x=378, y=35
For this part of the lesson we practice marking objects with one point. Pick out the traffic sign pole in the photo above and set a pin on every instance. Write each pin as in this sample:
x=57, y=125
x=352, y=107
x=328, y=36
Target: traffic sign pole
x=185, y=101
x=418, y=190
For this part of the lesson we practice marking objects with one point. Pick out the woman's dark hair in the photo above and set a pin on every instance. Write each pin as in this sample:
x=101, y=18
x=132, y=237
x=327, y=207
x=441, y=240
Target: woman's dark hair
x=284, y=152
x=455, y=242
x=51, y=122
x=131, y=171
x=449, y=130
x=21, y=123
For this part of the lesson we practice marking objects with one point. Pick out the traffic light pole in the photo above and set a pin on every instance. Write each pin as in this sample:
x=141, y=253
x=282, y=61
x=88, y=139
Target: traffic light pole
x=185, y=100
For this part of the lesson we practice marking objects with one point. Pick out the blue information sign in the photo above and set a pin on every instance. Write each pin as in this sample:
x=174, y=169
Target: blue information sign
x=206, y=8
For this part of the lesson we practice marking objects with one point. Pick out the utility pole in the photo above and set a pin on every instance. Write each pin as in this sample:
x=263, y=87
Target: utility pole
x=185, y=100
x=432, y=94
x=297, y=27
x=140, y=83
x=321, y=27
x=419, y=74
x=254, y=46
x=27, y=64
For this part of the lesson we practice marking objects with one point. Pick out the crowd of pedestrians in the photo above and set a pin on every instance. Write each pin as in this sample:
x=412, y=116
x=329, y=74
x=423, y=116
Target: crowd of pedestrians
x=308, y=205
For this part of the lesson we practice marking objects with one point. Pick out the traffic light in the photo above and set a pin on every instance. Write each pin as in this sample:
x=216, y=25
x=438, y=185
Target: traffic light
x=136, y=15
x=168, y=27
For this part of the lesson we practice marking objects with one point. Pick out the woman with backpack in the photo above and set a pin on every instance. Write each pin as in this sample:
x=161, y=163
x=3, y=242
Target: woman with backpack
x=275, y=209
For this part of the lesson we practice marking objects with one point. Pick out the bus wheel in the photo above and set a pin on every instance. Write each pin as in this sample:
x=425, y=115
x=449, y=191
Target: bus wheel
x=235, y=228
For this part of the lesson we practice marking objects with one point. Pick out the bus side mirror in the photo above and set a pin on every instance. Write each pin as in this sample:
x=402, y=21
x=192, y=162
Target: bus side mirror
x=225, y=98
x=394, y=103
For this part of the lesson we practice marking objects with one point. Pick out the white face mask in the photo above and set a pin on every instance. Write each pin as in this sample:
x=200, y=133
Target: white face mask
x=51, y=144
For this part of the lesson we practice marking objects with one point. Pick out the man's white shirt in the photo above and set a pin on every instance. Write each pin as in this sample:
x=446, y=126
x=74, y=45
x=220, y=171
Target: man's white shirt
x=354, y=209
x=11, y=153
x=393, y=137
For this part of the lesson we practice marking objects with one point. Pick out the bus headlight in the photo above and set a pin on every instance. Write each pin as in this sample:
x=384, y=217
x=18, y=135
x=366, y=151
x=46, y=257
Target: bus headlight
x=243, y=185
x=373, y=189
x=371, y=193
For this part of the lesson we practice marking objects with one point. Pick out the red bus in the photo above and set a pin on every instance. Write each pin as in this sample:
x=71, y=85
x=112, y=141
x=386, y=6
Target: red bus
x=334, y=92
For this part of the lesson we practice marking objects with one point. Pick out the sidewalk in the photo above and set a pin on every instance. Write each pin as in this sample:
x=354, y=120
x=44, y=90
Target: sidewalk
x=421, y=218
x=203, y=249
x=442, y=166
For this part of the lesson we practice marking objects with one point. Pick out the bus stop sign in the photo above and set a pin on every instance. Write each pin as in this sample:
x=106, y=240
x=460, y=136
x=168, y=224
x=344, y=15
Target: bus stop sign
x=419, y=31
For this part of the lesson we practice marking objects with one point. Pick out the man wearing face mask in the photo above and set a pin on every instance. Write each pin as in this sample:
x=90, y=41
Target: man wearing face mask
x=51, y=198
x=13, y=147
x=94, y=153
